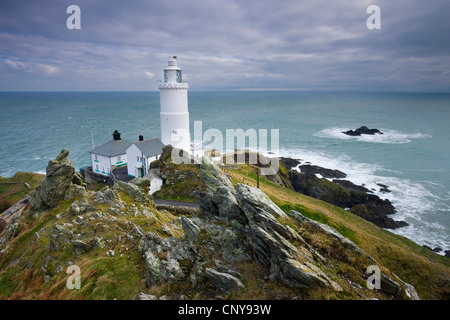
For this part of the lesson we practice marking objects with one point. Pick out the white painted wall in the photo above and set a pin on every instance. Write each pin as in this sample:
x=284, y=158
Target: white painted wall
x=134, y=156
x=174, y=115
x=133, y=153
x=119, y=161
x=101, y=164
x=155, y=185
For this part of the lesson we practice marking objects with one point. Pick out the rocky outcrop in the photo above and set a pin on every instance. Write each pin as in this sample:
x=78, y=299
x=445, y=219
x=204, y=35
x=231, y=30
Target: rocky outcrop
x=362, y=130
x=347, y=195
x=218, y=199
x=58, y=179
x=238, y=240
x=269, y=240
x=133, y=191
x=271, y=244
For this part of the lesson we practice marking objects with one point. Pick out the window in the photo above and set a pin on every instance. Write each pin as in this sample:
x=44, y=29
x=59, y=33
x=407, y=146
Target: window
x=118, y=158
x=96, y=157
x=137, y=158
x=166, y=77
x=96, y=166
x=179, y=78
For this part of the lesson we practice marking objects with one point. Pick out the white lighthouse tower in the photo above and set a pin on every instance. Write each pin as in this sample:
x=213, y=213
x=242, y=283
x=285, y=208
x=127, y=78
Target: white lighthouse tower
x=174, y=108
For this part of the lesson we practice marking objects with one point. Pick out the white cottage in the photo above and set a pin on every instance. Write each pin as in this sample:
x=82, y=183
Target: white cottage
x=112, y=153
x=140, y=154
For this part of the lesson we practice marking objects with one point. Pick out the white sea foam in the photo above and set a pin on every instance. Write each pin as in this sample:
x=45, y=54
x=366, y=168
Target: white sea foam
x=411, y=199
x=388, y=136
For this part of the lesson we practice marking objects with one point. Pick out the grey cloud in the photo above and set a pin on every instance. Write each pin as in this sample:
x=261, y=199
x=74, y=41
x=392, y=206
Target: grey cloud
x=226, y=45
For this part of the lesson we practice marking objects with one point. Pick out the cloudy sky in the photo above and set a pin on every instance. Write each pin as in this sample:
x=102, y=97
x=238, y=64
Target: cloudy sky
x=225, y=45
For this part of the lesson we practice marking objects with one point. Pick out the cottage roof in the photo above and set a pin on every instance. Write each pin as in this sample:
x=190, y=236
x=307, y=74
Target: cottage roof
x=150, y=147
x=112, y=148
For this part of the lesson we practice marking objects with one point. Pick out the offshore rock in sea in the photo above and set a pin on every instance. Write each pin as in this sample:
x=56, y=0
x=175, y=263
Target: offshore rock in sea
x=58, y=178
x=362, y=130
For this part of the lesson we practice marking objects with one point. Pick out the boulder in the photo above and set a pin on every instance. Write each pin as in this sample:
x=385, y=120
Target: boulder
x=141, y=182
x=80, y=246
x=223, y=281
x=133, y=191
x=74, y=191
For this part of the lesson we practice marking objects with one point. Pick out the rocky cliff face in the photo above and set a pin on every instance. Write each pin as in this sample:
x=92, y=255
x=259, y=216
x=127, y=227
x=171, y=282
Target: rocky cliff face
x=342, y=193
x=240, y=241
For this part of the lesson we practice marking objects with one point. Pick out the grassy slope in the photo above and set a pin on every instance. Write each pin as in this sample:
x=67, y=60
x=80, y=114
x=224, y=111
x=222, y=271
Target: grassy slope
x=12, y=189
x=121, y=277
x=422, y=268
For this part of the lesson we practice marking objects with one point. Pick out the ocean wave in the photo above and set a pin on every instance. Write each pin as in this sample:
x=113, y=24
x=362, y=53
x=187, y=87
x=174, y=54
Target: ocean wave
x=389, y=136
x=414, y=201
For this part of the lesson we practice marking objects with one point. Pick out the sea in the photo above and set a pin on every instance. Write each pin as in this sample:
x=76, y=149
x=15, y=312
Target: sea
x=412, y=157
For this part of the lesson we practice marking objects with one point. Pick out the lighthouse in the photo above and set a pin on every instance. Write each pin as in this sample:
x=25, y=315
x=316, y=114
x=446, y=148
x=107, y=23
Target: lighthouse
x=174, y=113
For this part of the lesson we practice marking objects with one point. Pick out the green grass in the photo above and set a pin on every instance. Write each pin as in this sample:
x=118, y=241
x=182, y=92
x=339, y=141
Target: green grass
x=14, y=189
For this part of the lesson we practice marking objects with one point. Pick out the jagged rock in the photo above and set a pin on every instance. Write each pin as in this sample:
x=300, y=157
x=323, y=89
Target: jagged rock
x=207, y=206
x=59, y=176
x=270, y=248
x=227, y=206
x=80, y=246
x=74, y=191
x=78, y=179
x=254, y=202
x=74, y=209
x=295, y=274
x=214, y=177
x=59, y=237
x=141, y=182
x=190, y=228
x=223, y=281
x=152, y=269
x=390, y=286
x=157, y=271
x=230, y=245
x=218, y=198
x=97, y=242
x=133, y=190
x=109, y=194
x=171, y=270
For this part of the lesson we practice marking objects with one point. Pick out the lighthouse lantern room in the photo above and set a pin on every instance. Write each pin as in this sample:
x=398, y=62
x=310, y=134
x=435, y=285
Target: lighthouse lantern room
x=174, y=108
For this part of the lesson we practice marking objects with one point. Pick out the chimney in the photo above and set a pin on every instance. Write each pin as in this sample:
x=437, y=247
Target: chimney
x=116, y=135
x=141, y=137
